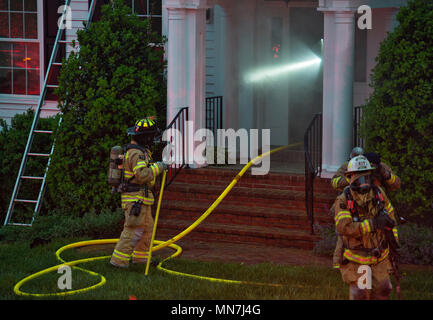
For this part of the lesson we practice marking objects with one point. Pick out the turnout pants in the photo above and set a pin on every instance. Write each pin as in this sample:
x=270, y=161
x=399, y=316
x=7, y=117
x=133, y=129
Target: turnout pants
x=135, y=238
x=381, y=285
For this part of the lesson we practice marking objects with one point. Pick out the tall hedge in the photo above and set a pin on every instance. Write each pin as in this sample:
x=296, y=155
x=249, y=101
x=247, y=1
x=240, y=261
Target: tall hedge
x=114, y=79
x=398, y=117
x=13, y=140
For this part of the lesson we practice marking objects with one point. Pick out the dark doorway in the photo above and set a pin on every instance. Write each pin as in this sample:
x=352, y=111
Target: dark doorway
x=305, y=87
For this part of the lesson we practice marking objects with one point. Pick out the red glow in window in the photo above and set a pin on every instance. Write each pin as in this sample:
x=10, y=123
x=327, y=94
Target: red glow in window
x=276, y=51
x=19, y=68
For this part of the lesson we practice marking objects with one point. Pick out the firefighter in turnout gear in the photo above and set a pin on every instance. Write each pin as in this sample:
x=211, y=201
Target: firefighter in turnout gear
x=139, y=174
x=382, y=176
x=363, y=214
x=339, y=181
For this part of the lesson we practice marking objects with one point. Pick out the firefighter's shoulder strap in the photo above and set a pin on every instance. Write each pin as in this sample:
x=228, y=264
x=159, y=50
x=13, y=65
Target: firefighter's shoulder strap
x=132, y=187
x=351, y=204
x=129, y=146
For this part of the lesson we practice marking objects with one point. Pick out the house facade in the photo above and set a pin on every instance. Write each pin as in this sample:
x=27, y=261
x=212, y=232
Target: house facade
x=275, y=63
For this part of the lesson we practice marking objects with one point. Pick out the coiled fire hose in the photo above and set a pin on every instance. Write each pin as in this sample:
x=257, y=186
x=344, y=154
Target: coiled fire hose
x=159, y=245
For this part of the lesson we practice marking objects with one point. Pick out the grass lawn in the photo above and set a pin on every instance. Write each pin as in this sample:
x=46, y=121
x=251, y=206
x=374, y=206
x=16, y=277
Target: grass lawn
x=18, y=261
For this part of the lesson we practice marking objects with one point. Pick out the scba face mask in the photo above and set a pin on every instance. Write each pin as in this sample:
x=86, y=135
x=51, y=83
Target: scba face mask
x=361, y=185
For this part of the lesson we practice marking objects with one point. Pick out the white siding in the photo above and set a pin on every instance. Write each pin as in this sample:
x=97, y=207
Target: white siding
x=11, y=107
x=79, y=12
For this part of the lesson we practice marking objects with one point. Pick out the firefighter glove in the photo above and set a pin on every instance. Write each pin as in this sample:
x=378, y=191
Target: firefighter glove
x=382, y=222
x=384, y=172
x=163, y=165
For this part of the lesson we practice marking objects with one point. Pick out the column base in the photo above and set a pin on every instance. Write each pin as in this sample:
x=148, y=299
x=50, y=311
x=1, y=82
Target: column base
x=328, y=171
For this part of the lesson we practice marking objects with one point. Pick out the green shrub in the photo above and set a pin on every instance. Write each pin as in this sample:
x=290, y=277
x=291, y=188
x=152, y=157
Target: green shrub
x=116, y=78
x=398, y=117
x=13, y=140
x=416, y=244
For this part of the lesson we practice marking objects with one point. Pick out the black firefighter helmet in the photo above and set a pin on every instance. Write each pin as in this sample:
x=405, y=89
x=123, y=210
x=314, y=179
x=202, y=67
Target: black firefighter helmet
x=144, y=131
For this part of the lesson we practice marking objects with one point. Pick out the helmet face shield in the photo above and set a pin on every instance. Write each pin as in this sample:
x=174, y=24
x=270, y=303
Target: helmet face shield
x=361, y=185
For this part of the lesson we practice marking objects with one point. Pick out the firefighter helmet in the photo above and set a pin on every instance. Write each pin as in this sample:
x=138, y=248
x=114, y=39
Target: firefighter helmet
x=359, y=167
x=144, y=132
x=143, y=127
x=358, y=164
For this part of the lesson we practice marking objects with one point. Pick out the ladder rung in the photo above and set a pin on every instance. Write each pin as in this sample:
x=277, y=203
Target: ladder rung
x=43, y=131
x=39, y=154
x=66, y=41
x=19, y=224
x=31, y=177
x=52, y=86
x=56, y=63
x=26, y=201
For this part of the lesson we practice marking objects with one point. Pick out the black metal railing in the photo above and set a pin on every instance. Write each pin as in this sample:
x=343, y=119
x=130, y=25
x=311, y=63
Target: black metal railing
x=214, y=114
x=358, y=141
x=313, y=163
x=178, y=124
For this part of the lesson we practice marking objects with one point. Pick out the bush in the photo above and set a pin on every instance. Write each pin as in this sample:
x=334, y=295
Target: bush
x=13, y=141
x=116, y=78
x=398, y=117
x=416, y=243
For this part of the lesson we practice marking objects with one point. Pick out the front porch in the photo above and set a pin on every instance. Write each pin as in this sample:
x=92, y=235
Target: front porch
x=215, y=45
x=290, y=161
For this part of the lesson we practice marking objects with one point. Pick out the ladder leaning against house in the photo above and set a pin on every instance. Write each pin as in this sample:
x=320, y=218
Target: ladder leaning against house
x=33, y=130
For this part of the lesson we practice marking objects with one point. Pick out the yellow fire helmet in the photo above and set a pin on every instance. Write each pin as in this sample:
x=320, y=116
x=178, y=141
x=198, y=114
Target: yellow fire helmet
x=358, y=164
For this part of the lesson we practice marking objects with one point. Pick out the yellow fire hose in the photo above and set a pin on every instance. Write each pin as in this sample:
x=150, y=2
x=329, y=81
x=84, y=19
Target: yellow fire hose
x=155, y=222
x=160, y=245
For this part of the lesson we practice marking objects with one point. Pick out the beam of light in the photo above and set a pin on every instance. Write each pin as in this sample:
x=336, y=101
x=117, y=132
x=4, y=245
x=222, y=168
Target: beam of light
x=276, y=71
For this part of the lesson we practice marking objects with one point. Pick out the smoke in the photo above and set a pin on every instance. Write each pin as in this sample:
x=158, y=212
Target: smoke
x=271, y=37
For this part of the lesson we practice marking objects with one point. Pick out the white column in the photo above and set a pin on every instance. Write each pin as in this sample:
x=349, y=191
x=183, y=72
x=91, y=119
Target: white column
x=176, y=62
x=186, y=61
x=328, y=84
x=338, y=77
x=343, y=88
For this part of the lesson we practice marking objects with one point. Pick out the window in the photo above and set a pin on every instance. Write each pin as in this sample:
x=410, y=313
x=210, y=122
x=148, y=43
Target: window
x=19, y=47
x=150, y=9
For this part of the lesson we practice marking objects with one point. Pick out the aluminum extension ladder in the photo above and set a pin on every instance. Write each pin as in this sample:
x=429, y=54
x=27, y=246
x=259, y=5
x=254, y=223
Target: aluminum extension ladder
x=20, y=177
